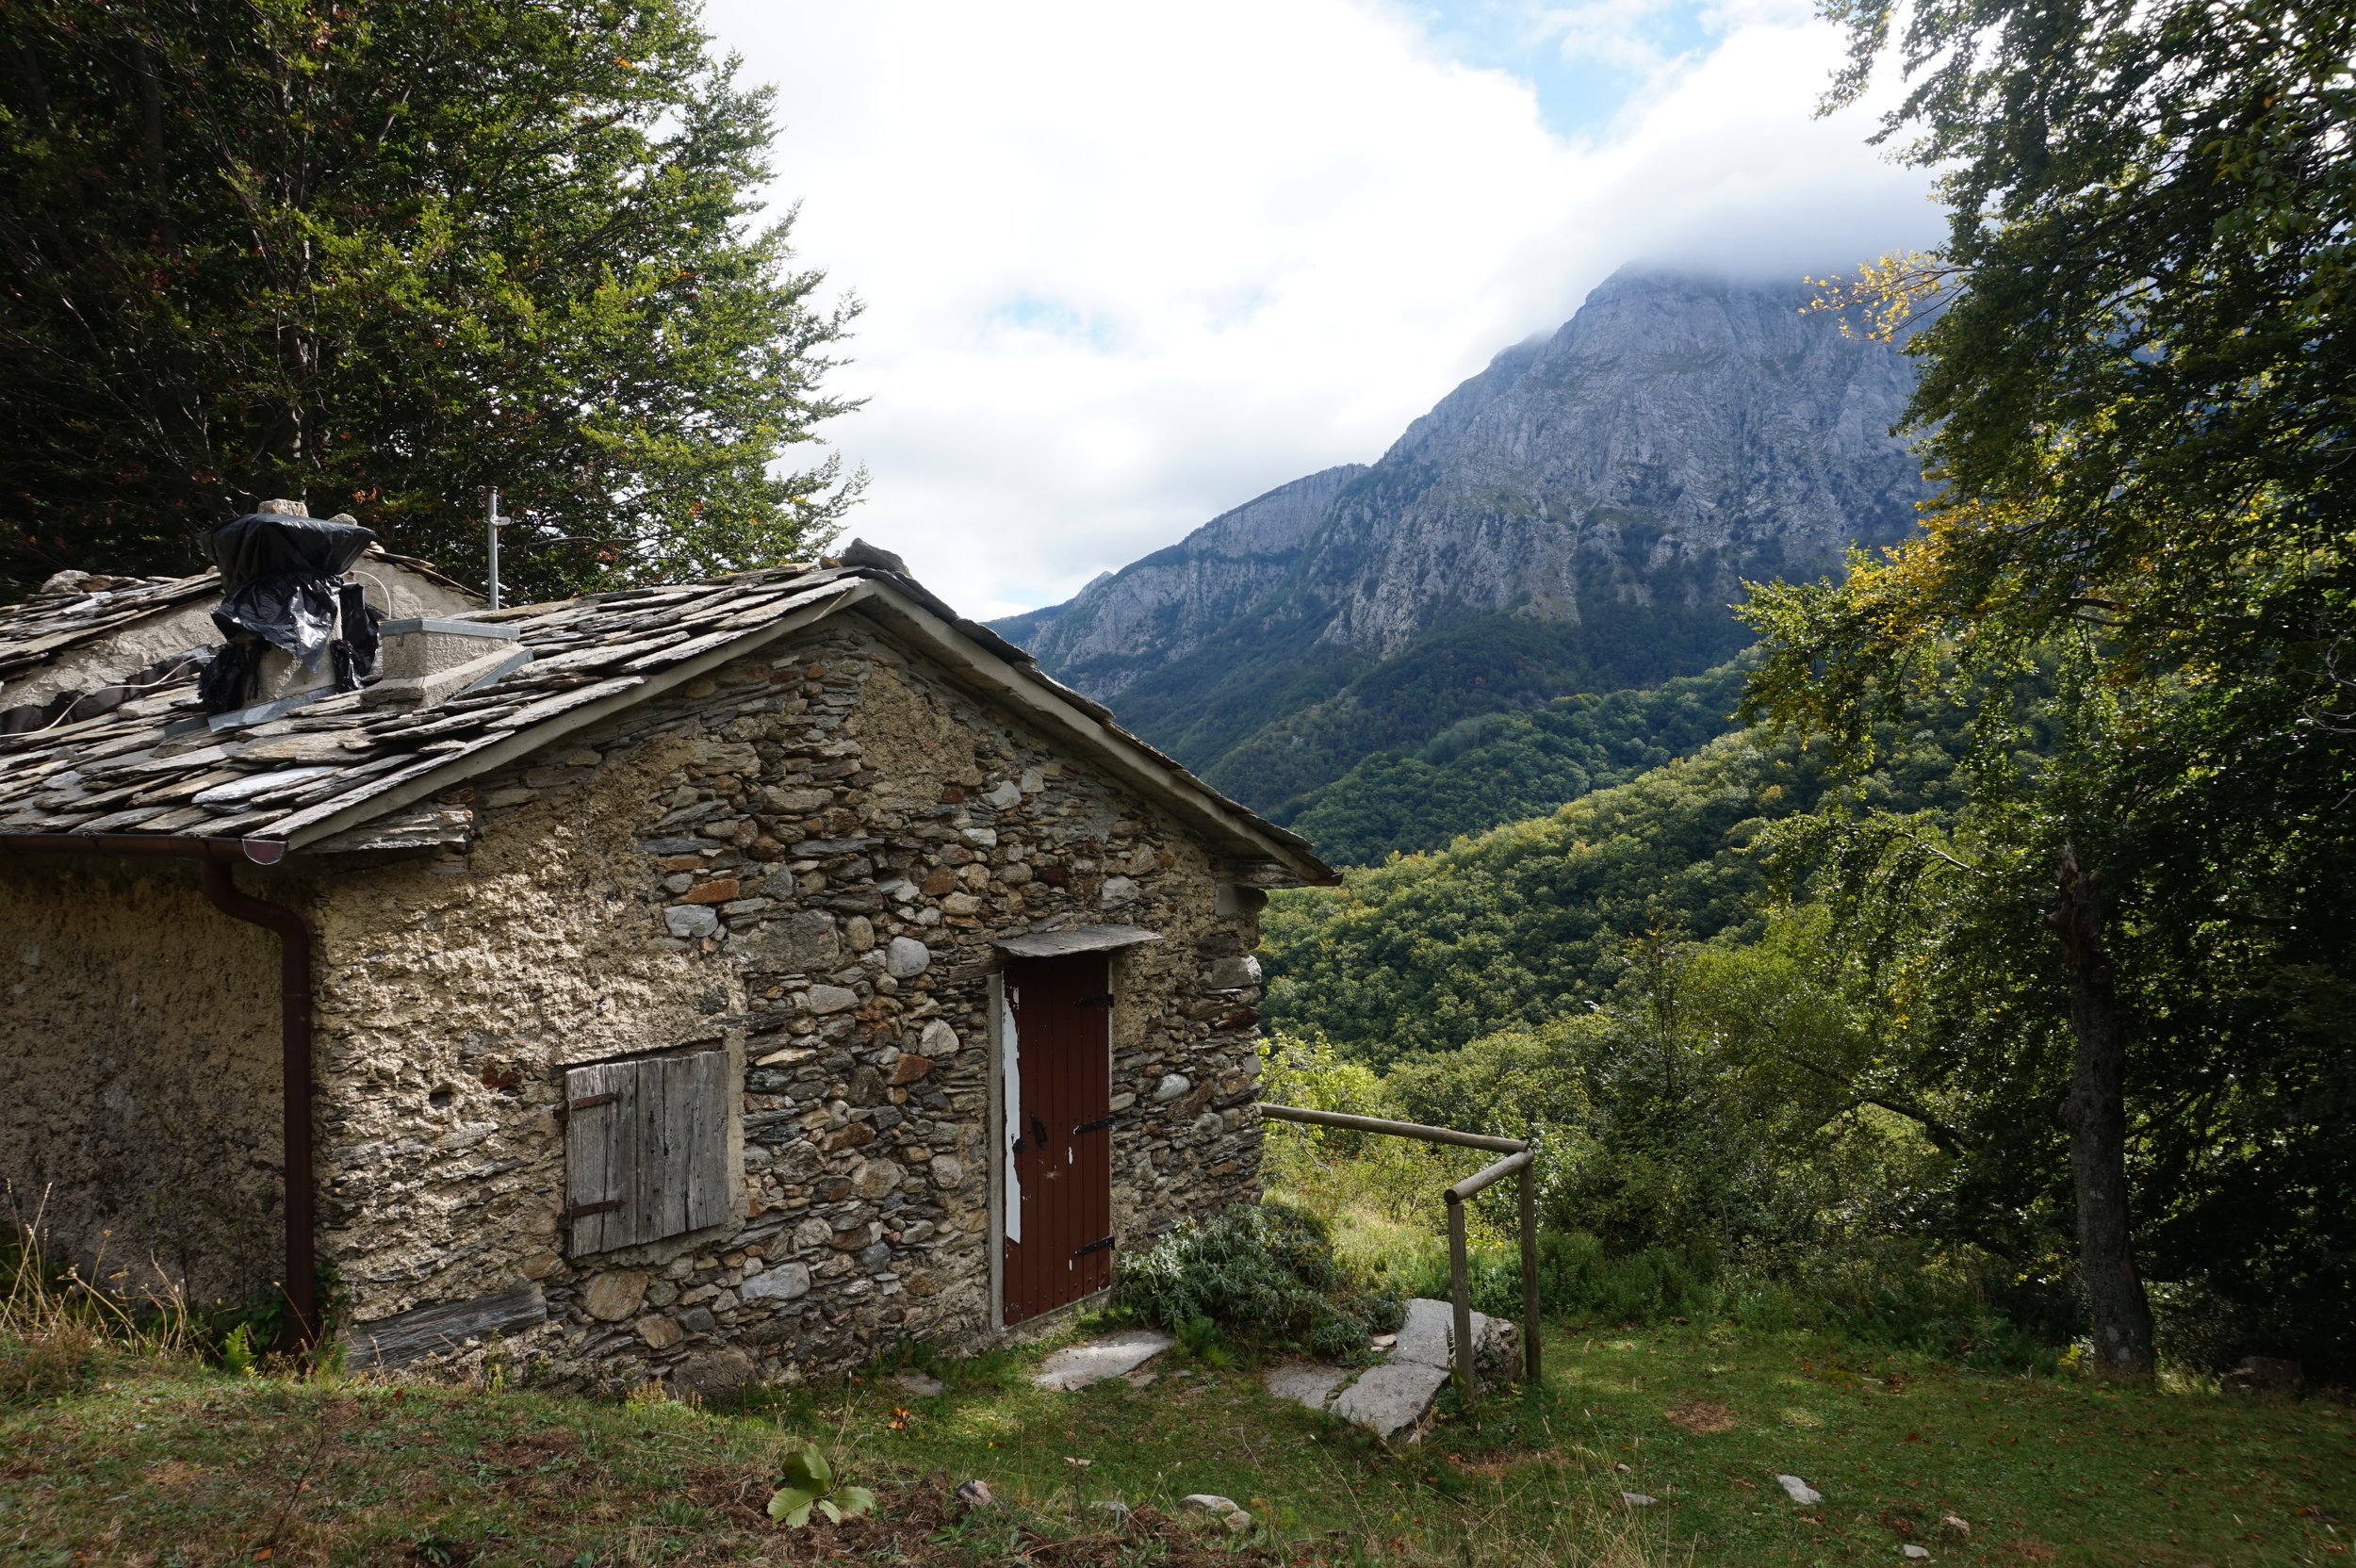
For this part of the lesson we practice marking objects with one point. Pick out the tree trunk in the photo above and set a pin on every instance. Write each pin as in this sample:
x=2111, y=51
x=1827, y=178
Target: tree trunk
x=2097, y=1118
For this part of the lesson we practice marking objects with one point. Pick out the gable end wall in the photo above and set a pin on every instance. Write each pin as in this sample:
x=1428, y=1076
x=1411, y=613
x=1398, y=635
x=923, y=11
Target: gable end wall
x=735, y=863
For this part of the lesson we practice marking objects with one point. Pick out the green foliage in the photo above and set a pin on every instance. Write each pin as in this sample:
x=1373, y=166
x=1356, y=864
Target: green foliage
x=812, y=1483
x=1494, y=768
x=382, y=258
x=1265, y=1270
x=237, y=1354
x=1514, y=927
x=2137, y=391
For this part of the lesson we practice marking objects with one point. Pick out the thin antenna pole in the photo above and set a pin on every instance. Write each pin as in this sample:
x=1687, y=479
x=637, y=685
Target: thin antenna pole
x=495, y=526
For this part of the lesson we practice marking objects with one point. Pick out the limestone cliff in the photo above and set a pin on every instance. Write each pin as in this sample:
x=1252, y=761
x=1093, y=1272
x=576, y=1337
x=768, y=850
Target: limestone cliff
x=1579, y=516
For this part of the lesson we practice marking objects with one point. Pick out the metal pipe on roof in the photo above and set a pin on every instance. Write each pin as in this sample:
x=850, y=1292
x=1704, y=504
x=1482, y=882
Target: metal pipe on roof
x=214, y=857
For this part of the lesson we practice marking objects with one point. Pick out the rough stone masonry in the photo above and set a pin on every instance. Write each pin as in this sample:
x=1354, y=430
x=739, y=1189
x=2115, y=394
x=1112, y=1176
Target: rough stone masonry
x=800, y=859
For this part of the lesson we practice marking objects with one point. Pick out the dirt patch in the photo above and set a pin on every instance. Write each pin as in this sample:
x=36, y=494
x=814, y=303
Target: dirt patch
x=1701, y=1415
x=173, y=1475
x=2028, y=1549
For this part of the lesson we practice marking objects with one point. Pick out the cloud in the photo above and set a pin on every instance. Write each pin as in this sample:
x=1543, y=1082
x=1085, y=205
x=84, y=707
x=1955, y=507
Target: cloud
x=1128, y=266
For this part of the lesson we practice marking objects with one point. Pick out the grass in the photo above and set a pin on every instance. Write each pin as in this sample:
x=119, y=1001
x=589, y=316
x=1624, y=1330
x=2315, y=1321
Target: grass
x=146, y=1459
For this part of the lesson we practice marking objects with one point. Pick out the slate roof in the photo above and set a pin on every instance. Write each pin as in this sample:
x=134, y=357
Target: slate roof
x=153, y=768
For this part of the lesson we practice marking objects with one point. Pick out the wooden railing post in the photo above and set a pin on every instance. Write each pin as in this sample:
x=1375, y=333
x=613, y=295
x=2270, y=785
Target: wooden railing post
x=1460, y=1291
x=1529, y=1275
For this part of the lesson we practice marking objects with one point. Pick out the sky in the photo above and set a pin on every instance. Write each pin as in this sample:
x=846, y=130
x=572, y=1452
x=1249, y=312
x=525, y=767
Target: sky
x=1123, y=265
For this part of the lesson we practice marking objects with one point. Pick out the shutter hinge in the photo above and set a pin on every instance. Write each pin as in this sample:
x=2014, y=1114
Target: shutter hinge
x=1097, y=1126
x=1103, y=1001
x=581, y=1211
x=588, y=1099
x=1102, y=1244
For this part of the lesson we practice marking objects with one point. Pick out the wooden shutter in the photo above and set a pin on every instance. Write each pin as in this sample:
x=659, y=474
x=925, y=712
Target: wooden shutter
x=646, y=1149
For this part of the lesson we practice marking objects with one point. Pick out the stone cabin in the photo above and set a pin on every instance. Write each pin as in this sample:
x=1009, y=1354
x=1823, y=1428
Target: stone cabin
x=714, y=983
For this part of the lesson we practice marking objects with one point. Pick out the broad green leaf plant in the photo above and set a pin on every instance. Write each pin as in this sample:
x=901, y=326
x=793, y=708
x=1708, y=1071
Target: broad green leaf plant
x=812, y=1483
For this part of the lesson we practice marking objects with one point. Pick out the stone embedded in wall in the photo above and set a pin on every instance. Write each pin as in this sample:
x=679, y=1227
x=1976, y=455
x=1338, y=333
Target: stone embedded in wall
x=907, y=959
x=689, y=921
x=938, y=1041
x=614, y=1295
x=805, y=942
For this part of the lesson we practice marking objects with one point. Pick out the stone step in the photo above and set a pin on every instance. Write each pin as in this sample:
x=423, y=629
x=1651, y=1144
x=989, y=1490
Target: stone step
x=1396, y=1397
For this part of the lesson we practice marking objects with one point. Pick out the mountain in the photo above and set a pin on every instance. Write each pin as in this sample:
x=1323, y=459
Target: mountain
x=1577, y=517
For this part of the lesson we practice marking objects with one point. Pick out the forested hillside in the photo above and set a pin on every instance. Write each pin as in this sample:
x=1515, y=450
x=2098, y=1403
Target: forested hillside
x=1497, y=768
x=1529, y=922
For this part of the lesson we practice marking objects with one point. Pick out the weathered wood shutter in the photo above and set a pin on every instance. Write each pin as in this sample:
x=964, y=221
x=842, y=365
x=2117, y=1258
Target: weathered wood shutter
x=646, y=1149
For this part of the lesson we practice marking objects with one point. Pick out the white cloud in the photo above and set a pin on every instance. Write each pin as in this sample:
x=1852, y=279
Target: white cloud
x=1128, y=266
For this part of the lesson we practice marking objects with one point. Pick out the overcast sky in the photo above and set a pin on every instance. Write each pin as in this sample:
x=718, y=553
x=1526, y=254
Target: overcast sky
x=1126, y=265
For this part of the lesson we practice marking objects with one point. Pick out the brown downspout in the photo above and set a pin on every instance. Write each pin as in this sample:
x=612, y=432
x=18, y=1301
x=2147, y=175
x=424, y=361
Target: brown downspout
x=294, y=977
x=214, y=857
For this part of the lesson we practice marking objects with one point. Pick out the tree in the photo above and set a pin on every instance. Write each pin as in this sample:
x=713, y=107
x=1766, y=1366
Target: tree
x=2137, y=392
x=384, y=256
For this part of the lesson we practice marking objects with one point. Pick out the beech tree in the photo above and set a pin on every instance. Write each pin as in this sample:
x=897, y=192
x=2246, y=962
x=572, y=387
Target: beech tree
x=2138, y=392
x=382, y=258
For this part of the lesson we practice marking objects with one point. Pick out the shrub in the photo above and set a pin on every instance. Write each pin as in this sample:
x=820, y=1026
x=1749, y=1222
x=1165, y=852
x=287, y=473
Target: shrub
x=1268, y=1272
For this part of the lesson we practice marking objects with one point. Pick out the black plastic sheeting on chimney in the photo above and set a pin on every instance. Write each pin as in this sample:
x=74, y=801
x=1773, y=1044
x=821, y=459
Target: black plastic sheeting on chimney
x=279, y=576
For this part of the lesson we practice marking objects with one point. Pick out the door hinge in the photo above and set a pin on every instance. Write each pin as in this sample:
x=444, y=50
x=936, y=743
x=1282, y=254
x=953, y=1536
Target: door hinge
x=581, y=1211
x=1103, y=1245
x=1097, y=1126
x=1103, y=1001
x=588, y=1099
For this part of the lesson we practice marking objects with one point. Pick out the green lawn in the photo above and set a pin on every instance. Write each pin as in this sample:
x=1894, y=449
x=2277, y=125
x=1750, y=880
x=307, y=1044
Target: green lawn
x=155, y=1462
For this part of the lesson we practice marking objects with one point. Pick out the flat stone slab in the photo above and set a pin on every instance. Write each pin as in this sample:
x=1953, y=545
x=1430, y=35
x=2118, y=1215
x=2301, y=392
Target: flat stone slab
x=918, y=1383
x=1390, y=1399
x=1430, y=1325
x=1078, y=1365
x=1310, y=1384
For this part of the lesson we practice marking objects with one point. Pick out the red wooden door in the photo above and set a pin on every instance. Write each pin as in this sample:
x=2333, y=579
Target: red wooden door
x=1061, y=1009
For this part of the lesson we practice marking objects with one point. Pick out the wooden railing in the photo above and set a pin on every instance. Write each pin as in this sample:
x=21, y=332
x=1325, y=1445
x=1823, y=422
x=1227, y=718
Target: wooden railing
x=1517, y=1162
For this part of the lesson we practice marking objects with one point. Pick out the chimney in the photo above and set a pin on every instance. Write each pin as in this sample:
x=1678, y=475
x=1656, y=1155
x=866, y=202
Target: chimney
x=429, y=659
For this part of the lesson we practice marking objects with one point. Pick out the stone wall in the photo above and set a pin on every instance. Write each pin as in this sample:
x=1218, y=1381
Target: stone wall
x=139, y=1049
x=803, y=857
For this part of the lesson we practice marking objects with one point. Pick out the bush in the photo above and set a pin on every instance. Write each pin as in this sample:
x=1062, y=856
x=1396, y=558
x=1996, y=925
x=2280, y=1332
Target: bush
x=1268, y=1272
x=1579, y=1279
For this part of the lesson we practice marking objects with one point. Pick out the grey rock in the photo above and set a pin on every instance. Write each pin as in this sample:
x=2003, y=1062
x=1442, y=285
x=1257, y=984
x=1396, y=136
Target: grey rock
x=874, y=1258
x=831, y=999
x=1799, y=1491
x=1002, y=794
x=1310, y=1384
x=805, y=942
x=1391, y=1398
x=1235, y=974
x=696, y=1320
x=1170, y=1088
x=1078, y=1365
x=1118, y=890
x=1208, y=1502
x=784, y=1282
x=917, y=1383
x=688, y=922
x=1637, y=1499
x=1428, y=1334
x=976, y=1494
x=906, y=958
